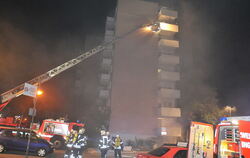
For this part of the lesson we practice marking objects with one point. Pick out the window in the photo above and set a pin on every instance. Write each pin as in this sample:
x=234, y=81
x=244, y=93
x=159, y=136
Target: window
x=228, y=137
x=181, y=154
x=54, y=128
x=27, y=133
x=159, y=151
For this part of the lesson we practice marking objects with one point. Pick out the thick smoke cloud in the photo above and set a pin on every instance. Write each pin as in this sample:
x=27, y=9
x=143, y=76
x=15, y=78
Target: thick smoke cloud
x=18, y=52
x=214, y=37
x=36, y=36
x=195, y=49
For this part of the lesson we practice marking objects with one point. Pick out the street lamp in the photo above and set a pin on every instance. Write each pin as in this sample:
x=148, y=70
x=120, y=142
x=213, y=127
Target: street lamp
x=39, y=92
x=33, y=112
x=230, y=109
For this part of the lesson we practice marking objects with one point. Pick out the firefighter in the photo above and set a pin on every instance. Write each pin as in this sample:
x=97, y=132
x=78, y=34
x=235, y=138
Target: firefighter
x=70, y=140
x=118, y=146
x=80, y=143
x=104, y=143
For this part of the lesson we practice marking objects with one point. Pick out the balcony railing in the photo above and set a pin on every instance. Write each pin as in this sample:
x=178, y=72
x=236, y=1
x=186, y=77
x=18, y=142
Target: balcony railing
x=169, y=112
x=169, y=76
x=167, y=15
x=169, y=93
x=168, y=60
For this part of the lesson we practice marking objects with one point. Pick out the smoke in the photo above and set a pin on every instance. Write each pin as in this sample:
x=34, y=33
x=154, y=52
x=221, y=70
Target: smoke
x=38, y=36
x=18, y=51
x=197, y=66
x=196, y=36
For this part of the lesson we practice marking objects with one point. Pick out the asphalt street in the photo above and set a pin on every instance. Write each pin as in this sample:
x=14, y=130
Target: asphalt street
x=59, y=154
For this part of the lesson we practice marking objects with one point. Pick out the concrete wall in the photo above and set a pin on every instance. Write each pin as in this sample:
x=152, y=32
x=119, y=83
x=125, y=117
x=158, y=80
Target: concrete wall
x=134, y=83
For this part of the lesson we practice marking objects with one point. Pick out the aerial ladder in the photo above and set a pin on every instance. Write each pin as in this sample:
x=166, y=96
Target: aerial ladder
x=19, y=90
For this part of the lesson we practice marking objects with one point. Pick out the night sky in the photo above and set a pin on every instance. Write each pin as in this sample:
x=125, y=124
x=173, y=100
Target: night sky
x=36, y=36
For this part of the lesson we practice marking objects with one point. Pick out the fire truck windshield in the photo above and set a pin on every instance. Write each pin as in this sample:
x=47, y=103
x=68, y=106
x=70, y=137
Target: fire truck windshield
x=55, y=128
x=228, y=145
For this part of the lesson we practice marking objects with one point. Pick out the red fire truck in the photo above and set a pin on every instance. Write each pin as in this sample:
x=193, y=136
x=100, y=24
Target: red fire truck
x=226, y=144
x=56, y=131
x=227, y=137
x=16, y=121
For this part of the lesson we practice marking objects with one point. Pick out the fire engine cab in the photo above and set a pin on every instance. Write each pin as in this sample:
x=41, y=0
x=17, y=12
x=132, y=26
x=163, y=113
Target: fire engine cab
x=56, y=131
x=227, y=137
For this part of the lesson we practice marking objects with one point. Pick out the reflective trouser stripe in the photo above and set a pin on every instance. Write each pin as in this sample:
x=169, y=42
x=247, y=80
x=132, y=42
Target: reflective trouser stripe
x=77, y=146
x=69, y=145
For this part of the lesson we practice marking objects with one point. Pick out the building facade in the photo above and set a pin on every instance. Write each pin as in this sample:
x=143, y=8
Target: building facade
x=145, y=72
x=106, y=69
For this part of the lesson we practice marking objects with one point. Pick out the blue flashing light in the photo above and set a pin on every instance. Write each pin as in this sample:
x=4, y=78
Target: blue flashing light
x=223, y=119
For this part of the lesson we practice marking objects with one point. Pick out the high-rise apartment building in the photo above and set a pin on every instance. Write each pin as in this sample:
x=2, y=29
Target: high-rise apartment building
x=145, y=72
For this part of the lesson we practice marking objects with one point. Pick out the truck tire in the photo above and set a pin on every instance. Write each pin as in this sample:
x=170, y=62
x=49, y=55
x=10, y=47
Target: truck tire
x=58, y=142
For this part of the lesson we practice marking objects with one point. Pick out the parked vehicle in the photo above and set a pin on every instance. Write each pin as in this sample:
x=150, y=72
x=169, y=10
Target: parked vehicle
x=17, y=139
x=165, y=152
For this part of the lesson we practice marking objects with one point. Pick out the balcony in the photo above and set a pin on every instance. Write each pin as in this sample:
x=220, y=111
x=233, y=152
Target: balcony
x=107, y=53
x=170, y=131
x=168, y=60
x=170, y=68
x=110, y=23
x=167, y=84
x=169, y=27
x=169, y=93
x=169, y=112
x=171, y=126
x=109, y=35
x=168, y=46
x=109, y=47
x=168, y=31
x=105, y=79
x=168, y=43
x=106, y=65
x=167, y=15
x=169, y=76
x=103, y=94
x=108, y=38
x=167, y=102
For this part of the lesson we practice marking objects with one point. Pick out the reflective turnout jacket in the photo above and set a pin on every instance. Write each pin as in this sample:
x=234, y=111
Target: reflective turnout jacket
x=117, y=143
x=104, y=142
x=71, y=139
x=81, y=141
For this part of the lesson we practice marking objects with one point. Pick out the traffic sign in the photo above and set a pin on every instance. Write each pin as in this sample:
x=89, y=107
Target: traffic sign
x=30, y=90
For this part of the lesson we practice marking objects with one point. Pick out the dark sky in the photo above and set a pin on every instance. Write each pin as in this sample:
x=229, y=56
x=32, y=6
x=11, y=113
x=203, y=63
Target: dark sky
x=232, y=53
x=36, y=36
